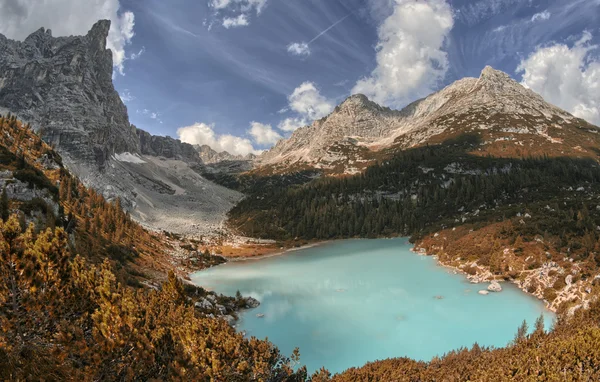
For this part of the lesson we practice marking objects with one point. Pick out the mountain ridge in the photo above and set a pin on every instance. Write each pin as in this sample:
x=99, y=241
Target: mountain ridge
x=363, y=127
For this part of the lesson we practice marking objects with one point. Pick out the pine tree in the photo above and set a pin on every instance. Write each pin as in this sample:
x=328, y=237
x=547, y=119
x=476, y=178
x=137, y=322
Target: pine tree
x=4, y=205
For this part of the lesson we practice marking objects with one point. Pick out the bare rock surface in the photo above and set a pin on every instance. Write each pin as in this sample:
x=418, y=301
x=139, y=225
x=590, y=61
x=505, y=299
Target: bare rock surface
x=358, y=126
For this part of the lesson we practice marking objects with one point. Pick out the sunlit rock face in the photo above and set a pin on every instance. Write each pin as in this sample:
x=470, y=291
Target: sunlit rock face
x=359, y=127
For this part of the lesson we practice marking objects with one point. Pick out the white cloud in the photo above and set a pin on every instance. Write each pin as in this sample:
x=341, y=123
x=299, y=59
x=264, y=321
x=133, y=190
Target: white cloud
x=410, y=59
x=203, y=134
x=69, y=17
x=566, y=76
x=239, y=21
x=299, y=49
x=237, y=11
x=292, y=124
x=541, y=16
x=263, y=134
x=307, y=101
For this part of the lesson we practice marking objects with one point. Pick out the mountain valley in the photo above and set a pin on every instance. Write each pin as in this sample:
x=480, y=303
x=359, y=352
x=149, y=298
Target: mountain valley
x=108, y=221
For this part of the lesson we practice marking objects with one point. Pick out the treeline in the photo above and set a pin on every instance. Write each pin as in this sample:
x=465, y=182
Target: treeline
x=417, y=190
x=99, y=229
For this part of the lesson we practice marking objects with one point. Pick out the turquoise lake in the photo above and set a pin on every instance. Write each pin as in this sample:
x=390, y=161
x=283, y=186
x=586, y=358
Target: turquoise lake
x=349, y=302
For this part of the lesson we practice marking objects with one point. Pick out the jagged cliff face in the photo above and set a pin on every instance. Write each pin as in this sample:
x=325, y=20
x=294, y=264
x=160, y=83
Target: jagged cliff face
x=166, y=147
x=63, y=87
x=510, y=120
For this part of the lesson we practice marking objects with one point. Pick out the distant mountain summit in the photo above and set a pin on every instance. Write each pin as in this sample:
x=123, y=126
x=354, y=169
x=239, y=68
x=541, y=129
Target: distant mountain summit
x=510, y=119
x=210, y=156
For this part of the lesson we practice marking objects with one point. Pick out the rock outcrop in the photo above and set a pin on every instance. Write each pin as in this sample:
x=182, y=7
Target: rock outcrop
x=494, y=287
x=63, y=87
x=166, y=147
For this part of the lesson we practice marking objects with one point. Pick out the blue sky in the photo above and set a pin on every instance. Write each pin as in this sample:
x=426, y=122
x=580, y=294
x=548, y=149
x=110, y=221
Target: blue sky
x=217, y=66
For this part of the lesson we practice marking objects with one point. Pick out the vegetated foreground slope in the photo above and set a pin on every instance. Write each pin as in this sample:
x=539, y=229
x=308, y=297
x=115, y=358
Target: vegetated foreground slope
x=71, y=302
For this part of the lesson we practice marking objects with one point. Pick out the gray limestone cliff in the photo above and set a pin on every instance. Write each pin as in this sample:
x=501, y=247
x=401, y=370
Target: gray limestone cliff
x=63, y=87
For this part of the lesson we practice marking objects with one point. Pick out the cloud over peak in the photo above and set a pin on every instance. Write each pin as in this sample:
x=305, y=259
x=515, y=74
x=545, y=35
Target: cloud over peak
x=263, y=134
x=204, y=134
x=410, y=57
x=566, y=76
x=309, y=104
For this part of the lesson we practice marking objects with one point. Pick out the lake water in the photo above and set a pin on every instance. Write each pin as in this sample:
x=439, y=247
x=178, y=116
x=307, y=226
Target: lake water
x=349, y=302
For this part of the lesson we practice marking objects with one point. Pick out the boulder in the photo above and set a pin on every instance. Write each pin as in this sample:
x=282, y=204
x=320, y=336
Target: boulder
x=484, y=292
x=203, y=304
x=494, y=287
x=221, y=308
x=569, y=280
x=252, y=303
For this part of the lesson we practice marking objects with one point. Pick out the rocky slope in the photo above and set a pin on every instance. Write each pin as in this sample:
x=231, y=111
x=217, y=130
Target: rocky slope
x=494, y=106
x=63, y=88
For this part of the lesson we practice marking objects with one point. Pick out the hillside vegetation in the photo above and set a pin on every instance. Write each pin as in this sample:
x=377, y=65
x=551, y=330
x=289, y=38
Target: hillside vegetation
x=70, y=308
x=71, y=305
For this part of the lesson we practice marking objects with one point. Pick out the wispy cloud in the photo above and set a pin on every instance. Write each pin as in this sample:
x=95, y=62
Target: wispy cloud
x=299, y=49
x=232, y=22
x=135, y=56
x=126, y=96
x=237, y=12
x=541, y=16
x=151, y=114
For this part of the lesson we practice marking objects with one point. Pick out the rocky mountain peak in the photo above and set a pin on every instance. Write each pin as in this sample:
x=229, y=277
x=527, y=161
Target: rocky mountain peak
x=496, y=82
x=99, y=33
x=490, y=74
x=63, y=87
x=357, y=103
x=492, y=102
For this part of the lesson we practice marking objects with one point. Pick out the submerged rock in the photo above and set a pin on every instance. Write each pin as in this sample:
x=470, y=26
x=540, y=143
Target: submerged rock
x=484, y=292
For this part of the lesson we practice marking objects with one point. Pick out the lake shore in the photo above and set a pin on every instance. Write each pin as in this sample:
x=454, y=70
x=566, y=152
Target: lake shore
x=481, y=275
